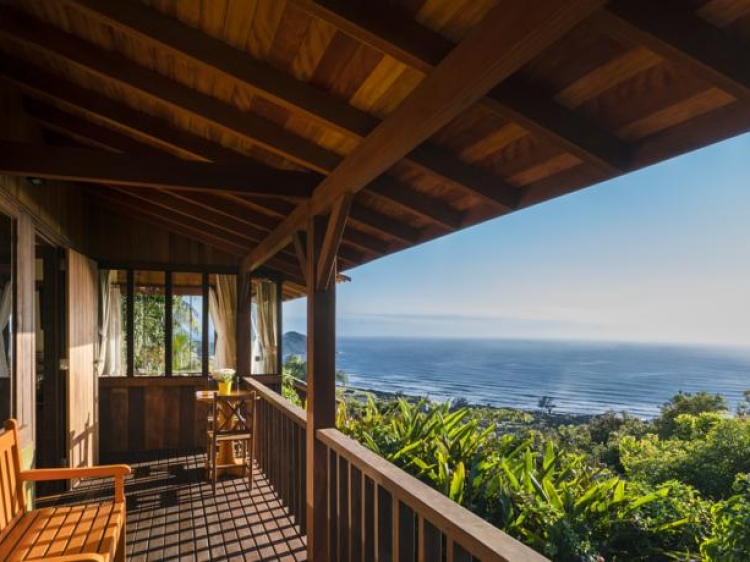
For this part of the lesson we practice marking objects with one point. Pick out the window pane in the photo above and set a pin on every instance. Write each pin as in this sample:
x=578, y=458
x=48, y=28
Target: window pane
x=187, y=323
x=149, y=321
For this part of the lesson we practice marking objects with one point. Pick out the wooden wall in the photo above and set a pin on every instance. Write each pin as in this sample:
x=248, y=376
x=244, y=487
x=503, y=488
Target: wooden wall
x=148, y=414
x=119, y=239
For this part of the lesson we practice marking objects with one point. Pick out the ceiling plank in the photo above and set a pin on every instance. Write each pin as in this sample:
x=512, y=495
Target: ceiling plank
x=207, y=52
x=508, y=37
x=117, y=68
x=673, y=32
x=95, y=166
x=218, y=57
x=396, y=34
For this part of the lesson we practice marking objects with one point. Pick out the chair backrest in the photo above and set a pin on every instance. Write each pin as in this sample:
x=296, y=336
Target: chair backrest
x=12, y=499
x=241, y=407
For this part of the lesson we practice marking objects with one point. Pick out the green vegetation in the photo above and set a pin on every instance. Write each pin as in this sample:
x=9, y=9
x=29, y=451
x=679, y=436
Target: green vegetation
x=610, y=487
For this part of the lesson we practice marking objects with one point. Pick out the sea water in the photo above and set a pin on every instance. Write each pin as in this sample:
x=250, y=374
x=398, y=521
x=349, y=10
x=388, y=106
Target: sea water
x=581, y=377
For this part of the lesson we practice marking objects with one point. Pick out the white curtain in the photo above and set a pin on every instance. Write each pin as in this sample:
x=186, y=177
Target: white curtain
x=6, y=302
x=268, y=321
x=222, y=306
x=109, y=361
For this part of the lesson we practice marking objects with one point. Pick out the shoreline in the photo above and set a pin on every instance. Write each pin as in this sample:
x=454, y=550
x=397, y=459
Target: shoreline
x=537, y=415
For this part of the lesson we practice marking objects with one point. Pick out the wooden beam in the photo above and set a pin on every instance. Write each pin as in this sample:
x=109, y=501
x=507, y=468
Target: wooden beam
x=331, y=240
x=121, y=70
x=671, y=30
x=508, y=37
x=398, y=35
x=94, y=166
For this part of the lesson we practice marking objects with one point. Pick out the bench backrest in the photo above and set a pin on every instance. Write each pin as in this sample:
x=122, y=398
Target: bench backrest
x=12, y=500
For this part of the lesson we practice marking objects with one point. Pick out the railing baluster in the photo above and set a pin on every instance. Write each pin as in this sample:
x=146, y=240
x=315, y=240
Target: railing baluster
x=333, y=506
x=344, y=500
x=385, y=526
x=370, y=521
x=406, y=534
x=356, y=505
x=430, y=542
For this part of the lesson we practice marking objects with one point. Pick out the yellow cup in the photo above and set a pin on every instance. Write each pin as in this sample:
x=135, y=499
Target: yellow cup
x=225, y=387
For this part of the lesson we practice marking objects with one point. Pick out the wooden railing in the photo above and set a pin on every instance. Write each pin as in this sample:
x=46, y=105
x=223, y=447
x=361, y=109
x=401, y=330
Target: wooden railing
x=379, y=512
x=280, y=449
x=376, y=511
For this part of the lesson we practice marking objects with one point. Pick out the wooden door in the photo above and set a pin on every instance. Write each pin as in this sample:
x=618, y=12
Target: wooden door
x=82, y=386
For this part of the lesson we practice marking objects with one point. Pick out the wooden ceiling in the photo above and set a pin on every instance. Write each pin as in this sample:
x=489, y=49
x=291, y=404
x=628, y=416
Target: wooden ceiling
x=229, y=121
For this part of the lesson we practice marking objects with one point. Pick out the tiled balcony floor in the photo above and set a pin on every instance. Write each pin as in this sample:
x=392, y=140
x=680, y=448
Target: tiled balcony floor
x=173, y=514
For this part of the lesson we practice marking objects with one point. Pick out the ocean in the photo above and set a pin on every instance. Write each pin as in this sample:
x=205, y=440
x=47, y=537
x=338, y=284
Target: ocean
x=581, y=377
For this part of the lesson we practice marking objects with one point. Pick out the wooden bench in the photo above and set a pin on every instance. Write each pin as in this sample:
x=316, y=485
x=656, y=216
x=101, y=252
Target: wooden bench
x=79, y=533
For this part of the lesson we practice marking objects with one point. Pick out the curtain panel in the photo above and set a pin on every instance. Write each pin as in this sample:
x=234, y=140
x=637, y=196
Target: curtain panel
x=267, y=326
x=222, y=306
x=6, y=306
x=109, y=360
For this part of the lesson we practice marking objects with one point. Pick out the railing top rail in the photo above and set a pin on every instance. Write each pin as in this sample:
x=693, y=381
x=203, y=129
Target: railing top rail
x=473, y=533
x=295, y=413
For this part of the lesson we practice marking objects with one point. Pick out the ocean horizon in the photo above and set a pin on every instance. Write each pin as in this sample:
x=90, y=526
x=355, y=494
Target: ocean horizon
x=582, y=377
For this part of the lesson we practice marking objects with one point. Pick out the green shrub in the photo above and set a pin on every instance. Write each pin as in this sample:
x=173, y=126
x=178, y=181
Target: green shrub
x=731, y=531
x=707, y=452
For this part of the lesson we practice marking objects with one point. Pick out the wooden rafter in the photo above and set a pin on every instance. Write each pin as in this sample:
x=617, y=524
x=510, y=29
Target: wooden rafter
x=672, y=31
x=121, y=70
x=418, y=47
x=83, y=131
x=95, y=166
x=42, y=85
x=233, y=205
x=204, y=51
x=508, y=37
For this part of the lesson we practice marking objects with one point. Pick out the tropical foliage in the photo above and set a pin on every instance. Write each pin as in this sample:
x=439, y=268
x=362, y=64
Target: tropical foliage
x=611, y=488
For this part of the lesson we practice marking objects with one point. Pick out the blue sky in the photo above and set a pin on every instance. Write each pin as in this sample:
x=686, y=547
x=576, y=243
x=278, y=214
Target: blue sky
x=662, y=254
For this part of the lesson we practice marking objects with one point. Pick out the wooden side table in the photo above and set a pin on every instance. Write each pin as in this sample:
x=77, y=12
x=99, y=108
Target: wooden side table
x=226, y=460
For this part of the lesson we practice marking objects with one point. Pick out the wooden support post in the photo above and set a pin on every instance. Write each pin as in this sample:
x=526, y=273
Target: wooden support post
x=243, y=323
x=321, y=387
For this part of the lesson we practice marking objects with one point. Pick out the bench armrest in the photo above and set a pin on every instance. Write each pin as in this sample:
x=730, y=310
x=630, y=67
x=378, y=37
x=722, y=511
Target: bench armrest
x=116, y=471
x=76, y=558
